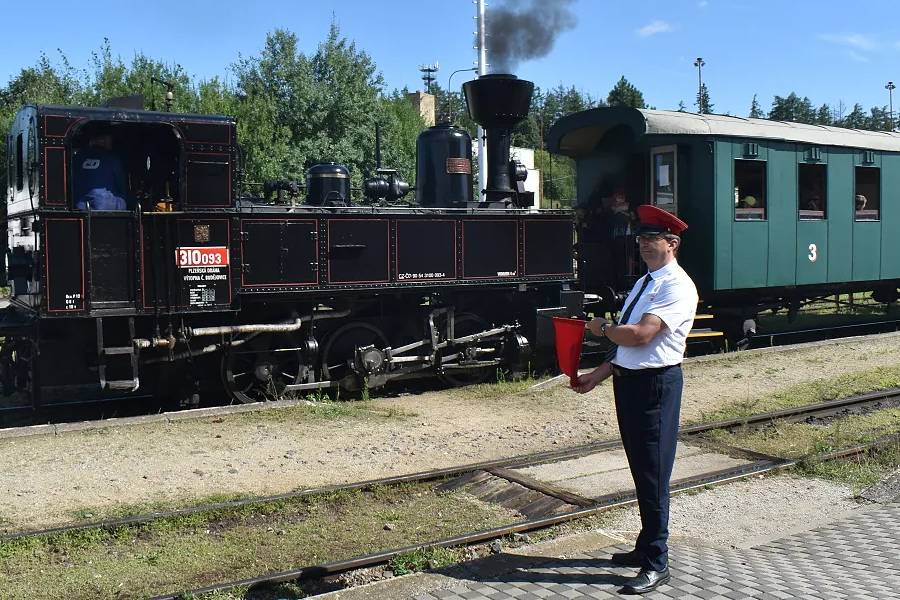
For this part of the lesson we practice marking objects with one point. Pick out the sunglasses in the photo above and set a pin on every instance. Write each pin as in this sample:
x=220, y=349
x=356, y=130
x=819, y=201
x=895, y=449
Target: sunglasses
x=650, y=237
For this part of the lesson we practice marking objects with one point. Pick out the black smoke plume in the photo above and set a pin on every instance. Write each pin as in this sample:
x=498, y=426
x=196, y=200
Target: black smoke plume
x=519, y=30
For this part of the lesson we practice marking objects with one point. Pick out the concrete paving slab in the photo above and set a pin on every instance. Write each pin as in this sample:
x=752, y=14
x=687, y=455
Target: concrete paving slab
x=27, y=431
x=111, y=422
x=801, y=567
x=599, y=462
x=607, y=472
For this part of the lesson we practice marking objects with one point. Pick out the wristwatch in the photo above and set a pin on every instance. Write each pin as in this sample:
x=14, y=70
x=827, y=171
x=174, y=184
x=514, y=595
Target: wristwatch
x=603, y=329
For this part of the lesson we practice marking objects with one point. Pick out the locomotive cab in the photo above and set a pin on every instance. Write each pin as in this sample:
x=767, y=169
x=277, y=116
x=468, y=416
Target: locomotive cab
x=150, y=155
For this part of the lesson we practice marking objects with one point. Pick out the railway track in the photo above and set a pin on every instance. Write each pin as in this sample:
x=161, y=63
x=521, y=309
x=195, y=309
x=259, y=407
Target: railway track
x=821, y=409
x=760, y=466
x=505, y=469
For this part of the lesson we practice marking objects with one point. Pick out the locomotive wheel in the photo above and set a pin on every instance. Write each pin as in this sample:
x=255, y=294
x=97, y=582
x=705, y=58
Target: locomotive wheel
x=467, y=324
x=259, y=370
x=340, y=348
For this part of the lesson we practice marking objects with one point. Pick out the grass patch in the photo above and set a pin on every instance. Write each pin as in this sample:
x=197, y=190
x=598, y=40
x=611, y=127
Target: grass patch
x=317, y=412
x=799, y=440
x=197, y=550
x=858, y=472
x=423, y=559
x=796, y=440
x=811, y=392
x=502, y=385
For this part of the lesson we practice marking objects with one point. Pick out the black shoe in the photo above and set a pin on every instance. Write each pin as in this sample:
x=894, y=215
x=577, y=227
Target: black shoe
x=647, y=580
x=628, y=559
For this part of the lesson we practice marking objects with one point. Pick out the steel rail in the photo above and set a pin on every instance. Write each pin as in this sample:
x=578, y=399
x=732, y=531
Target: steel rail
x=602, y=504
x=882, y=326
x=380, y=558
x=516, y=462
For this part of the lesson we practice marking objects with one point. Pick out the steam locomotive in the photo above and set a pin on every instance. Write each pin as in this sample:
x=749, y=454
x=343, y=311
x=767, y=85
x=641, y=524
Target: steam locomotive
x=276, y=296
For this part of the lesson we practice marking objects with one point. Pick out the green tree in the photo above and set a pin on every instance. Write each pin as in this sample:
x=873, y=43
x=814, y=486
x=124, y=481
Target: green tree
x=857, y=119
x=879, y=119
x=824, y=115
x=792, y=108
x=704, y=106
x=625, y=94
x=296, y=110
x=557, y=178
x=401, y=125
x=756, y=110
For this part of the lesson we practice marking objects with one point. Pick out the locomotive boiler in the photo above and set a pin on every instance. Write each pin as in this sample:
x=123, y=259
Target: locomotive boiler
x=194, y=283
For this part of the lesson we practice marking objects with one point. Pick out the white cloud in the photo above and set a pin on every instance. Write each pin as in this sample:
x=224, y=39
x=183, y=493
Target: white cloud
x=654, y=28
x=857, y=41
x=857, y=56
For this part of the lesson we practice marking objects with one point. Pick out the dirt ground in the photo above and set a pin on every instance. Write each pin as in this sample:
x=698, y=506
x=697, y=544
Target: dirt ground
x=46, y=480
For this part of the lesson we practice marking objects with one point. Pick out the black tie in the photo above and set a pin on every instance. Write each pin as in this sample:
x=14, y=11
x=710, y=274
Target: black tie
x=611, y=353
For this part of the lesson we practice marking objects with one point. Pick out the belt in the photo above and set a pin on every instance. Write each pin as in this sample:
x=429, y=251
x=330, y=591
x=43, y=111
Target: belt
x=623, y=372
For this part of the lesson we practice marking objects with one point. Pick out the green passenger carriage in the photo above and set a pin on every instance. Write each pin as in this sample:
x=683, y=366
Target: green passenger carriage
x=779, y=212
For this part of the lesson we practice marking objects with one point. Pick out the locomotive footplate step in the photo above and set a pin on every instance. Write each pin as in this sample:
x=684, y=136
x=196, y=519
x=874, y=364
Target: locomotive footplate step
x=131, y=367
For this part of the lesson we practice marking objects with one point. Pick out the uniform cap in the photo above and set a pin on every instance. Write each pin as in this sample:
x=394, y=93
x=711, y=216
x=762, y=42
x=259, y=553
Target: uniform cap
x=657, y=220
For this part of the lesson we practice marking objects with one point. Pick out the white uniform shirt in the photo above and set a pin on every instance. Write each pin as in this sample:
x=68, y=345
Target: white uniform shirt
x=671, y=296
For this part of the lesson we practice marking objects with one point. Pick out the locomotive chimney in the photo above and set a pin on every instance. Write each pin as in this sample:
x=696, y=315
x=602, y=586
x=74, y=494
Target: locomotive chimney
x=498, y=102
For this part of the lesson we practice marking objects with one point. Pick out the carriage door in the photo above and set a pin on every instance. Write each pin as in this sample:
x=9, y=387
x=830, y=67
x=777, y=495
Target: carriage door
x=111, y=244
x=663, y=180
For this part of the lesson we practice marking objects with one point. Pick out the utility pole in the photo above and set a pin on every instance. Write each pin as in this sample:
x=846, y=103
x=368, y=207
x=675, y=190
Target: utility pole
x=481, y=46
x=890, y=87
x=699, y=64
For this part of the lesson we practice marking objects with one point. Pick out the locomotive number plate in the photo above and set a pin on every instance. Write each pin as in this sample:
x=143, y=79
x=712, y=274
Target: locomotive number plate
x=208, y=256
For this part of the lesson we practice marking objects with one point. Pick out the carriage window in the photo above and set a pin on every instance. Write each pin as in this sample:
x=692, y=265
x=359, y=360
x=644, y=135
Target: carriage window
x=664, y=185
x=867, y=198
x=749, y=190
x=20, y=172
x=811, y=192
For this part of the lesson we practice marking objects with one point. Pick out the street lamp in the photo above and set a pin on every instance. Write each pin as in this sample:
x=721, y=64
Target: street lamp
x=450, y=91
x=699, y=64
x=890, y=87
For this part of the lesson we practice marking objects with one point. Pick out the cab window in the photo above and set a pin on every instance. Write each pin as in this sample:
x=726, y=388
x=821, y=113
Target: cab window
x=749, y=190
x=867, y=194
x=663, y=177
x=811, y=192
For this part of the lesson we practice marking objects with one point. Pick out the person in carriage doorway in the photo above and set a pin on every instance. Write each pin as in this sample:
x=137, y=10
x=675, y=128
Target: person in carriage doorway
x=99, y=176
x=648, y=345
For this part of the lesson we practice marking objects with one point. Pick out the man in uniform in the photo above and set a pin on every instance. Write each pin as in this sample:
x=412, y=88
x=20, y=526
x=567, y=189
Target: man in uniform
x=645, y=363
x=99, y=176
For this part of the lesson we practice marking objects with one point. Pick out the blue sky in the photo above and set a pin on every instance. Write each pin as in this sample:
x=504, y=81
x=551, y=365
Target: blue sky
x=827, y=50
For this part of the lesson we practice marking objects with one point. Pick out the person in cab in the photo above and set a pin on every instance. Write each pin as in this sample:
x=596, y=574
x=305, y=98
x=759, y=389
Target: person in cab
x=99, y=176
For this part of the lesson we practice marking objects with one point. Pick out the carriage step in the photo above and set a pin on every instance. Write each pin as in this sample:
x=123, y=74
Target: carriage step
x=110, y=350
x=120, y=385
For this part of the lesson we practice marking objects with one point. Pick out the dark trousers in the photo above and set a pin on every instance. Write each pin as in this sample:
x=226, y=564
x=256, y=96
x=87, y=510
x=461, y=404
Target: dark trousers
x=647, y=408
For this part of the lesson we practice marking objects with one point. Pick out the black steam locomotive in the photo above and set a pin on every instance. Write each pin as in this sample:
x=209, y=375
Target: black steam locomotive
x=274, y=295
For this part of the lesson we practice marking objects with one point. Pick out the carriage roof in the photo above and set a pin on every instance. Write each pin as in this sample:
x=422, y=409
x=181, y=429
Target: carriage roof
x=578, y=134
